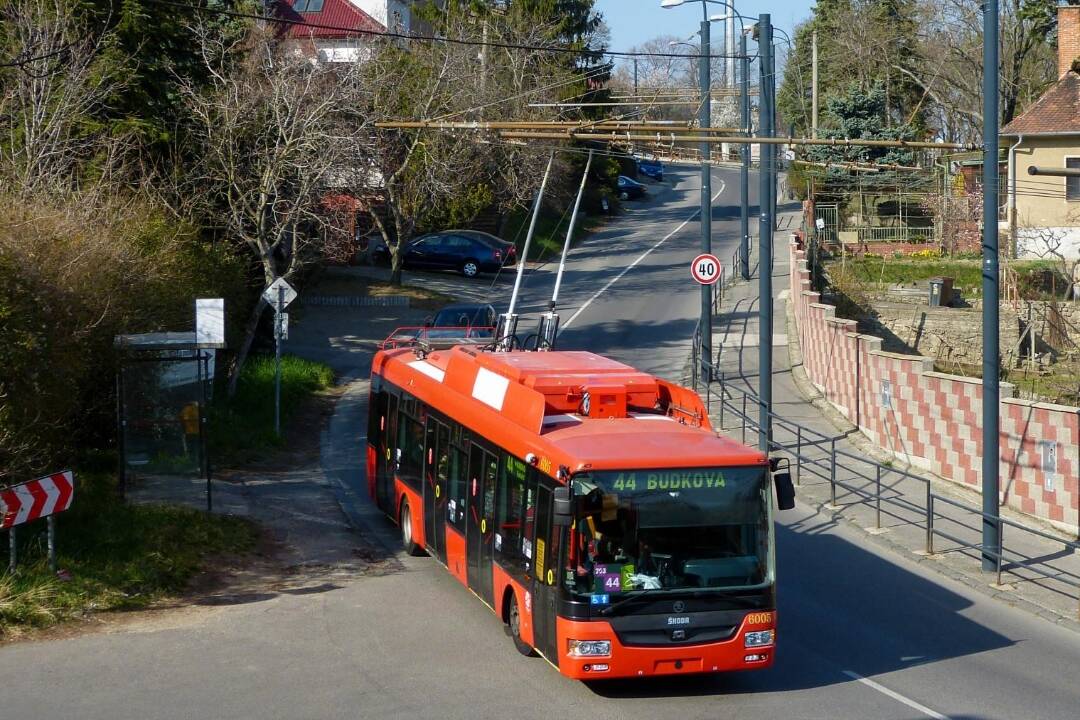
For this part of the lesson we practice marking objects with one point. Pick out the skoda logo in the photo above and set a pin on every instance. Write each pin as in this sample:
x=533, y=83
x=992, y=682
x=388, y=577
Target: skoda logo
x=679, y=606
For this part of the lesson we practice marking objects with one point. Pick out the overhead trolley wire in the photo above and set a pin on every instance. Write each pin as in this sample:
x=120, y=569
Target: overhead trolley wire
x=431, y=38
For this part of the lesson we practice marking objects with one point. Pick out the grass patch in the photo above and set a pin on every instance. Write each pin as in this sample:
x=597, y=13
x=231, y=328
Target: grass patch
x=966, y=273
x=551, y=227
x=241, y=428
x=119, y=556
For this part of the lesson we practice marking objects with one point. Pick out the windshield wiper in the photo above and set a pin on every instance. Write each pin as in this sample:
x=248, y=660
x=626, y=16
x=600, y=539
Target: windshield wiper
x=747, y=602
x=638, y=593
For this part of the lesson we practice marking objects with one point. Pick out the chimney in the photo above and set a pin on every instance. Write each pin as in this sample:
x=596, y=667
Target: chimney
x=1068, y=37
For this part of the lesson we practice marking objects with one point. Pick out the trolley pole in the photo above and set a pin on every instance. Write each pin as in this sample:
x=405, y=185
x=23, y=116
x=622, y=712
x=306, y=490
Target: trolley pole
x=744, y=174
x=991, y=389
x=765, y=237
x=705, y=120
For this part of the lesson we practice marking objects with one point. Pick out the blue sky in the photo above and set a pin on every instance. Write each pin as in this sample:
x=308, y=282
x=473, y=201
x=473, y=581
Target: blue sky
x=635, y=21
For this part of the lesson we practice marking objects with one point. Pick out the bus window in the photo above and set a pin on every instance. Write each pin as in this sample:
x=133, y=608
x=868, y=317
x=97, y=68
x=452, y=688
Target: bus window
x=411, y=445
x=376, y=417
x=457, y=489
x=509, y=540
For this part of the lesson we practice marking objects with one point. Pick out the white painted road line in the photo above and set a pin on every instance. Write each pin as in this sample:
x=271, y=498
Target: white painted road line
x=896, y=696
x=641, y=257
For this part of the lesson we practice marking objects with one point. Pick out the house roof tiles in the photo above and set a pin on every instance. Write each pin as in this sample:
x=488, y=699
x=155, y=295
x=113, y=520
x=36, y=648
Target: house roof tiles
x=338, y=13
x=1057, y=112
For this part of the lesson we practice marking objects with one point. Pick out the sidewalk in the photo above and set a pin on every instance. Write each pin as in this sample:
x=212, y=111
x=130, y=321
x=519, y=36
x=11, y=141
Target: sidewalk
x=864, y=473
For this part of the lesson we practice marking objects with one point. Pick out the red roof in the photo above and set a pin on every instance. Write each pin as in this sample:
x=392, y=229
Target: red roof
x=335, y=13
x=1057, y=112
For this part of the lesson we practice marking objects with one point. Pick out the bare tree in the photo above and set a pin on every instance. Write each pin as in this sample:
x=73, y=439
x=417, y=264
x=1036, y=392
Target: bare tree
x=410, y=175
x=49, y=96
x=270, y=142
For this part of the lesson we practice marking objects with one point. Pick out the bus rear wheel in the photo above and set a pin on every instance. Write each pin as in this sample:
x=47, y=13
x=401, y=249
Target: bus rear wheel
x=513, y=621
x=405, y=522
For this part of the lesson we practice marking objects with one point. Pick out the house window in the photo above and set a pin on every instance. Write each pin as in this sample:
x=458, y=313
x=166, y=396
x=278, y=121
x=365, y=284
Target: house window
x=311, y=6
x=1072, y=184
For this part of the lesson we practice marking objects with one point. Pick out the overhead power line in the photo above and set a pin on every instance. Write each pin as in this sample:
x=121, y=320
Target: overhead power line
x=429, y=38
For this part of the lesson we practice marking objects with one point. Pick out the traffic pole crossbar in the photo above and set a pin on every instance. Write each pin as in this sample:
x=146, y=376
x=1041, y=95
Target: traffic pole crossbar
x=875, y=485
x=44, y=497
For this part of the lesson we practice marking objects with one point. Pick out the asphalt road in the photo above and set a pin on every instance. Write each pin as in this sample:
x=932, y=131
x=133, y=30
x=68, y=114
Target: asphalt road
x=862, y=634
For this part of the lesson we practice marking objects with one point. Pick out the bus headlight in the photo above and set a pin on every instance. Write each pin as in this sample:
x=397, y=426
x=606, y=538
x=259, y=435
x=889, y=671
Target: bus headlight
x=589, y=648
x=758, y=639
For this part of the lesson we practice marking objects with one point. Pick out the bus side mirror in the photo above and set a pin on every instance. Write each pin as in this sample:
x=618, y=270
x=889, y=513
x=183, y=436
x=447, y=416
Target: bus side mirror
x=562, y=516
x=785, y=490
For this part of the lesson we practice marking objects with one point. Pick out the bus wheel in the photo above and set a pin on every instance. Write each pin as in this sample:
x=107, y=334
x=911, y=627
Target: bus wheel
x=514, y=622
x=406, y=530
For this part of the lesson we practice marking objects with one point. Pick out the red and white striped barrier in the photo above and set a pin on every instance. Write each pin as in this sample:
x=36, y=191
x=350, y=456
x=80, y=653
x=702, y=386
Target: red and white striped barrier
x=36, y=499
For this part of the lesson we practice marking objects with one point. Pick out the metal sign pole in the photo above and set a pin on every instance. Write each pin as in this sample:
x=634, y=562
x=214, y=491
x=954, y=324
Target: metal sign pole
x=11, y=550
x=51, y=523
x=277, y=360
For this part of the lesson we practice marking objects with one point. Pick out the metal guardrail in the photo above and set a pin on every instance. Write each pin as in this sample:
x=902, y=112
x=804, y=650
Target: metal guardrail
x=815, y=454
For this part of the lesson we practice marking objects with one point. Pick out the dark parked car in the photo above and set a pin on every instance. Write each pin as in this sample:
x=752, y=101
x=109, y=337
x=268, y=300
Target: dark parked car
x=630, y=189
x=470, y=252
x=651, y=169
x=469, y=320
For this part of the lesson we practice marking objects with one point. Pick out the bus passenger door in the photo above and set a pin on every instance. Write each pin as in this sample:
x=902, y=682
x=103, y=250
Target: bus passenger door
x=386, y=463
x=546, y=576
x=436, y=462
x=483, y=470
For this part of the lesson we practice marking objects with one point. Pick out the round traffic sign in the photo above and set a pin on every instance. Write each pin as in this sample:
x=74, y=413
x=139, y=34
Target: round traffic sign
x=705, y=269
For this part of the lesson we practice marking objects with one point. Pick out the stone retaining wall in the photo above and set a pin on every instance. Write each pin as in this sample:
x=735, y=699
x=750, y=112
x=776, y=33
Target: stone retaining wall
x=933, y=420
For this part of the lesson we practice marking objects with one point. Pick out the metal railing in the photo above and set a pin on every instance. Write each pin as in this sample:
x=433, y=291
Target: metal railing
x=815, y=456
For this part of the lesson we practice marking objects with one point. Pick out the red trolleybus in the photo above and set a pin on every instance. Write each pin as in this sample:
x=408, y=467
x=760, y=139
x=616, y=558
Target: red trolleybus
x=590, y=505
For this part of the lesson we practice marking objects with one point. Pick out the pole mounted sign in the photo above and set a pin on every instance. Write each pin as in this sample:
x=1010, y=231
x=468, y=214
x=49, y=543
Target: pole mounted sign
x=41, y=498
x=36, y=499
x=706, y=269
x=278, y=295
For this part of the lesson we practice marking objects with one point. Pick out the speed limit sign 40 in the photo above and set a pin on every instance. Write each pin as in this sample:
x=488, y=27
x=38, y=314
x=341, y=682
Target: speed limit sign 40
x=706, y=269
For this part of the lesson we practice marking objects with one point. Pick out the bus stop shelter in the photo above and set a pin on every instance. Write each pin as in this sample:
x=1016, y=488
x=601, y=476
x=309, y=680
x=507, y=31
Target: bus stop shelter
x=164, y=387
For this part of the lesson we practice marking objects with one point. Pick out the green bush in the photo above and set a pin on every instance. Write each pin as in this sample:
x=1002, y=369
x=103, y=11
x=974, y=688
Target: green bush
x=73, y=275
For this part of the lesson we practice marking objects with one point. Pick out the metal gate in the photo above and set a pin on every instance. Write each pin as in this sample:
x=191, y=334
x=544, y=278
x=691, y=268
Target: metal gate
x=827, y=219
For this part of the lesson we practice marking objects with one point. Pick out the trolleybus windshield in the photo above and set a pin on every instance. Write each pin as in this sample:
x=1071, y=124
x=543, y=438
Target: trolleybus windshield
x=674, y=529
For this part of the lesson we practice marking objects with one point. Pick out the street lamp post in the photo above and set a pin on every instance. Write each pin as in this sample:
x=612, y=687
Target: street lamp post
x=765, y=236
x=990, y=384
x=744, y=172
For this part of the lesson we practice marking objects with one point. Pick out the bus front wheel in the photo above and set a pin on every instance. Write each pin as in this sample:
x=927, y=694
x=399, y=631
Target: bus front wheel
x=513, y=618
x=406, y=530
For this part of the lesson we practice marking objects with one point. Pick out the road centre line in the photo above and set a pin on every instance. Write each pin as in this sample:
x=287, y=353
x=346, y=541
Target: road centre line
x=896, y=696
x=641, y=257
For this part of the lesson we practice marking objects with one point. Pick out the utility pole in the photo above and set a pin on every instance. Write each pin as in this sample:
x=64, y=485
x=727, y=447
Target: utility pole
x=705, y=120
x=765, y=236
x=744, y=149
x=813, y=88
x=774, y=162
x=635, y=78
x=991, y=537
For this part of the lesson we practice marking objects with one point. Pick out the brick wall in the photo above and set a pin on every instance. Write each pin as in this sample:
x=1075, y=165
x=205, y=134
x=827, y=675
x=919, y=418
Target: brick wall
x=1068, y=37
x=933, y=420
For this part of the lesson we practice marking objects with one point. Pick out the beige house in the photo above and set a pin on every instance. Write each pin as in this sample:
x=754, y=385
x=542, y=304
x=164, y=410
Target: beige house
x=1045, y=211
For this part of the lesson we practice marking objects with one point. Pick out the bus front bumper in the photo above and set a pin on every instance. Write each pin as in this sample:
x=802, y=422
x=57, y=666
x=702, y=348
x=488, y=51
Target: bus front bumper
x=627, y=661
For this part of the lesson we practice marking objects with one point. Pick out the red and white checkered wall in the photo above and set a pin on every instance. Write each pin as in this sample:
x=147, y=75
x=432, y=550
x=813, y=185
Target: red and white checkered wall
x=933, y=420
